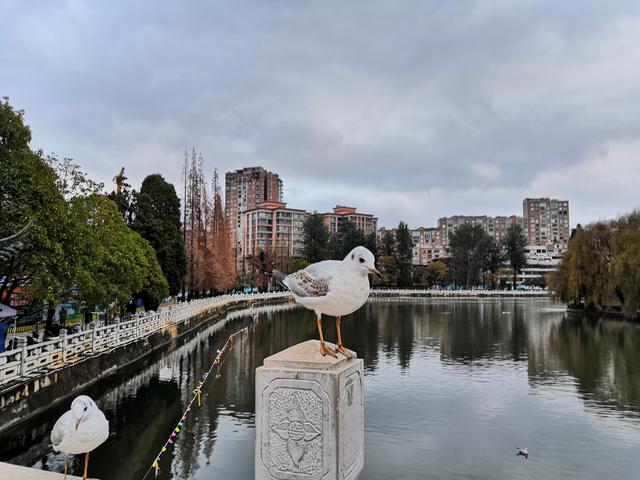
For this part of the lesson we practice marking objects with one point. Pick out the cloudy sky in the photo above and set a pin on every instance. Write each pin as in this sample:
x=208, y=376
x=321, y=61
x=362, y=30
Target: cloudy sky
x=409, y=110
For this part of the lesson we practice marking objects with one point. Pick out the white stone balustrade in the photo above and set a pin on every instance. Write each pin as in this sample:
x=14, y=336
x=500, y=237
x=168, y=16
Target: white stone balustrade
x=31, y=361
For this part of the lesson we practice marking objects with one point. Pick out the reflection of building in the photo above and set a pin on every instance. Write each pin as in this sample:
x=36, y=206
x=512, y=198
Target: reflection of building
x=548, y=221
x=364, y=222
x=496, y=227
x=276, y=230
x=246, y=189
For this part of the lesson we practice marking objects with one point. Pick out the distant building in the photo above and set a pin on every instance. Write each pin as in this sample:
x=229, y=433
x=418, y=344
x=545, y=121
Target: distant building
x=275, y=229
x=245, y=189
x=496, y=227
x=548, y=221
x=427, y=244
x=541, y=261
x=364, y=222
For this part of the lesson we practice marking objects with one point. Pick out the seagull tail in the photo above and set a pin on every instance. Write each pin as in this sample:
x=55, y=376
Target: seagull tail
x=279, y=276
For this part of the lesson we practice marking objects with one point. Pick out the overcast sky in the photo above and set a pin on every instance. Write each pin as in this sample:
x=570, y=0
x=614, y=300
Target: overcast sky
x=408, y=110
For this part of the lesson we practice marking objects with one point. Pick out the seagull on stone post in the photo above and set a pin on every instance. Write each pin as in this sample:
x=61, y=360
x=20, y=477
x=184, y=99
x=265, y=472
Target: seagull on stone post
x=80, y=430
x=333, y=287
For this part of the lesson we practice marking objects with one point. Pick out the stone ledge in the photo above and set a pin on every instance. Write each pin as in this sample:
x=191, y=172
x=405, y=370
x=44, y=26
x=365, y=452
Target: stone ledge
x=16, y=472
x=306, y=356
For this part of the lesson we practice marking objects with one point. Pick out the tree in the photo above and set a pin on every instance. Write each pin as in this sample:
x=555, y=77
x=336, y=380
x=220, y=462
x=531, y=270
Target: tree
x=316, y=239
x=371, y=242
x=388, y=247
x=468, y=247
x=514, y=243
x=114, y=263
x=348, y=238
x=436, y=273
x=124, y=197
x=223, y=261
x=404, y=255
x=28, y=191
x=157, y=219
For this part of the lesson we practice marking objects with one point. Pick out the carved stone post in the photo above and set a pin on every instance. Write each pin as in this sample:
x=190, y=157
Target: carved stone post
x=309, y=416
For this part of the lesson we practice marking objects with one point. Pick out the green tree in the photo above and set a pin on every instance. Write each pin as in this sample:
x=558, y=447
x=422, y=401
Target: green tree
x=28, y=191
x=436, y=273
x=468, y=247
x=114, y=263
x=371, y=242
x=404, y=255
x=316, y=239
x=388, y=247
x=157, y=219
x=514, y=243
x=348, y=238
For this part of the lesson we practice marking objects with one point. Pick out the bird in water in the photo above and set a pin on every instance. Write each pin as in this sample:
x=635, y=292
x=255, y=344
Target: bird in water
x=80, y=430
x=333, y=287
x=522, y=452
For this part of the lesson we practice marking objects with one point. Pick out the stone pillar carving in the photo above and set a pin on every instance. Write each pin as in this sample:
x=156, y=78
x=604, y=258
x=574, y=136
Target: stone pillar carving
x=309, y=416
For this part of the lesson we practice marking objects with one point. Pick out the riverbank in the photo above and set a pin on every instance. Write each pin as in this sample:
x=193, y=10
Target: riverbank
x=458, y=293
x=56, y=370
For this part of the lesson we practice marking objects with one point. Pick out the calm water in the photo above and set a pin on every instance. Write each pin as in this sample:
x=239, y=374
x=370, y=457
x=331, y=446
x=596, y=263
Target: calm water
x=451, y=388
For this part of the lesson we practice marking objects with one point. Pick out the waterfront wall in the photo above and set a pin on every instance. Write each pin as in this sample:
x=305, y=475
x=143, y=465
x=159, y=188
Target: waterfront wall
x=53, y=371
x=396, y=292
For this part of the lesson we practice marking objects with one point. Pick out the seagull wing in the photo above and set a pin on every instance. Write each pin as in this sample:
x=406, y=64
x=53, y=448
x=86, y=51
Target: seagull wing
x=313, y=281
x=60, y=429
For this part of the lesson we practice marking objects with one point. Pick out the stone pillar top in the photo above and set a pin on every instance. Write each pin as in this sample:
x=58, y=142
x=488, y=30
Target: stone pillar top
x=306, y=356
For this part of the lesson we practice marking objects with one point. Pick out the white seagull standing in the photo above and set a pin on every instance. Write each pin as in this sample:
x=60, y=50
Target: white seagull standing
x=522, y=451
x=333, y=287
x=80, y=430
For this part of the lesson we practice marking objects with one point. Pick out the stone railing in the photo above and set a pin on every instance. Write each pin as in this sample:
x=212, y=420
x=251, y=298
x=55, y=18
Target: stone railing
x=396, y=292
x=33, y=360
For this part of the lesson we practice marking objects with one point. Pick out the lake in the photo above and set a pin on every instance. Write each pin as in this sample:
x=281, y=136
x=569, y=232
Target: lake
x=452, y=387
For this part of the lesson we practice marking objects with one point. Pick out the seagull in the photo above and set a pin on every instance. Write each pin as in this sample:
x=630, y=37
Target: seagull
x=333, y=287
x=80, y=430
x=522, y=451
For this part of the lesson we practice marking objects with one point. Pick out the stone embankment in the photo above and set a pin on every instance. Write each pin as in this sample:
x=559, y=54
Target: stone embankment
x=36, y=377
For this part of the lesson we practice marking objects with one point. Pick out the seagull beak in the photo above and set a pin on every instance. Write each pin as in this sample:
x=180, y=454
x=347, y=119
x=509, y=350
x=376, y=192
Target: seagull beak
x=375, y=272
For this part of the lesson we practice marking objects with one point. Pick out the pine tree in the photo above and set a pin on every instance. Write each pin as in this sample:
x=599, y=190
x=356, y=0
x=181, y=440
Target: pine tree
x=404, y=255
x=316, y=239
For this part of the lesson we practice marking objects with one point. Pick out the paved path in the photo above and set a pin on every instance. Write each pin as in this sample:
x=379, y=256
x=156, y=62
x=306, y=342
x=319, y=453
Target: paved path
x=15, y=472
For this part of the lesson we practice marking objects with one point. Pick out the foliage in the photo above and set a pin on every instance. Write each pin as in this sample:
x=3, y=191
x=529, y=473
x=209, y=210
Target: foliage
x=388, y=247
x=514, y=243
x=347, y=238
x=114, y=262
x=210, y=260
x=316, y=239
x=404, y=255
x=28, y=191
x=472, y=251
x=434, y=273
x=601, y=267
x=157, y=220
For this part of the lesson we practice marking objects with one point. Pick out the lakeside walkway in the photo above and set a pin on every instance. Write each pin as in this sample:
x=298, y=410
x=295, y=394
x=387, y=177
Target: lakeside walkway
x=16, y=472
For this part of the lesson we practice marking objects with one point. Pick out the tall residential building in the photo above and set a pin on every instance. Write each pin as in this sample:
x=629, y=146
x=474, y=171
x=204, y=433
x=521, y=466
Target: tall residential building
x=364, y=222
x=496, y=227
x=275, y=229
x=548, y=221
x=245, y=189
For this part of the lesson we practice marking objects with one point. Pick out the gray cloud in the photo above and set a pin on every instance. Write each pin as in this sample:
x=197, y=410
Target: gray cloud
x=409, y=110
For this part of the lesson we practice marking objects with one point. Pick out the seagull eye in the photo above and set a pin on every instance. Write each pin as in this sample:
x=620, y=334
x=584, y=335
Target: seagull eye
x=362, y=260
x=85, y=409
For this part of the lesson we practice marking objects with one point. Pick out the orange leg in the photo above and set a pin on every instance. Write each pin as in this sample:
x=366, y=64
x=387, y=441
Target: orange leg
x=339, y=347
x=323, y=350
x=86, y=465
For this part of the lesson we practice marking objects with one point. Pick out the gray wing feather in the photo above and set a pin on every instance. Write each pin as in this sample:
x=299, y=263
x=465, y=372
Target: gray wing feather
x=58, y=431
x=313, y=281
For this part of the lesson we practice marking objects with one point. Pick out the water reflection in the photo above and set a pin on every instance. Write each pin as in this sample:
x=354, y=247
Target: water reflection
x=442, y=375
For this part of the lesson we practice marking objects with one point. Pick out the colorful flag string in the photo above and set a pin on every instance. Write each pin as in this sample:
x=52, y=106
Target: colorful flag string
x=197, y=397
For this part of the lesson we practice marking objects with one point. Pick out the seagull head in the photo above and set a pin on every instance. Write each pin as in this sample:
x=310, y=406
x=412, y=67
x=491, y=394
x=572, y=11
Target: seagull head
x=81, y=408
x=362, y=259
